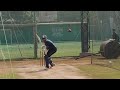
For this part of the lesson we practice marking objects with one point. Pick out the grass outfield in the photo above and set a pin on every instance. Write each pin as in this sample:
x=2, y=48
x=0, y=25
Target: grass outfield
x=102, y=68
x=27, y=50
x=9, y=76
x=100, y=72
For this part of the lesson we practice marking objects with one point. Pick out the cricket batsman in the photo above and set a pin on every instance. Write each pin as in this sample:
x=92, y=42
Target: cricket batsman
x=51, y=49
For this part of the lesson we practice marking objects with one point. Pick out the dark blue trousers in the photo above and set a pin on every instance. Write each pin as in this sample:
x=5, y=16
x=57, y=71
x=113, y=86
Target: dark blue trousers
x=47, y=57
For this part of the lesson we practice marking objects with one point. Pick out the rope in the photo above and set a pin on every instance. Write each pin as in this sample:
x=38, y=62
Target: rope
x=11, y=36
x=5, y=64
x=18, y=44
x=3, y=59
x=17, y=28
x=16, y=35
x=77, y=36
x=19, y=32
x=7, y=45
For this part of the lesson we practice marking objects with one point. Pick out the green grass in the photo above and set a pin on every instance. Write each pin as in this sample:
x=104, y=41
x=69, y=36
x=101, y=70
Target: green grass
x=24, y=51
x=100, y=72
x=102, y=68
x=64, y=49
x=9, y=76
x=68, y=48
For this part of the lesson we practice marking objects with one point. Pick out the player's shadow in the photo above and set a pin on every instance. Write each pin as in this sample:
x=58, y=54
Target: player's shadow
x=41, y=70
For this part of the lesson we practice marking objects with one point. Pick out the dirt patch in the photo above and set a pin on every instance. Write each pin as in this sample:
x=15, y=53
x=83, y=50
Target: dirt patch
x=64, y=69
x=61, y=71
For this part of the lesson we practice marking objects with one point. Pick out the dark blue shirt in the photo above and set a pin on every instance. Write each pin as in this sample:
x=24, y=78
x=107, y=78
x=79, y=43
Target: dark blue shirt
x=49, y=44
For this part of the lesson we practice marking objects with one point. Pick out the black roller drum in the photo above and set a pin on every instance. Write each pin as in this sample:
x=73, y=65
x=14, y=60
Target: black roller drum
x=110, y=49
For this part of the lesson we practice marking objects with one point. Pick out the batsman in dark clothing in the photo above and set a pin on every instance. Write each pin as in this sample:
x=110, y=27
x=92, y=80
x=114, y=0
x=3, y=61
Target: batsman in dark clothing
x=51, y=49
x=115, y=36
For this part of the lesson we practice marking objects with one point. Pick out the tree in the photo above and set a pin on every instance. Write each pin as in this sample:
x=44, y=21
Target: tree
x=17, y=16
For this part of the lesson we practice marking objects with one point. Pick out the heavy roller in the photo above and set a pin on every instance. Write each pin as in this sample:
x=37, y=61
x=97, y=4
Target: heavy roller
x=110, y=49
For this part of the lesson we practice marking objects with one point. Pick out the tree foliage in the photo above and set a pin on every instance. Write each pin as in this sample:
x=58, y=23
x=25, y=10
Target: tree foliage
x=17, y=16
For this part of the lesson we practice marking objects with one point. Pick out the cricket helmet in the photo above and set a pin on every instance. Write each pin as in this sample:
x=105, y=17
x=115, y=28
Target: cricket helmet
x=44, y=37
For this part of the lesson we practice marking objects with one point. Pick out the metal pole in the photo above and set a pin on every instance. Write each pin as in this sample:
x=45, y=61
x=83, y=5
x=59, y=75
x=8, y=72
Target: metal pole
x=84, y=31
x=81, y=31
x=34, y=35
x=92, y=54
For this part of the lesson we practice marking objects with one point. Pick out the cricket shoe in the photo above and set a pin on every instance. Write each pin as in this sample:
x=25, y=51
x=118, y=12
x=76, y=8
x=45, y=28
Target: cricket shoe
x=52, y=64
x=46, y=68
